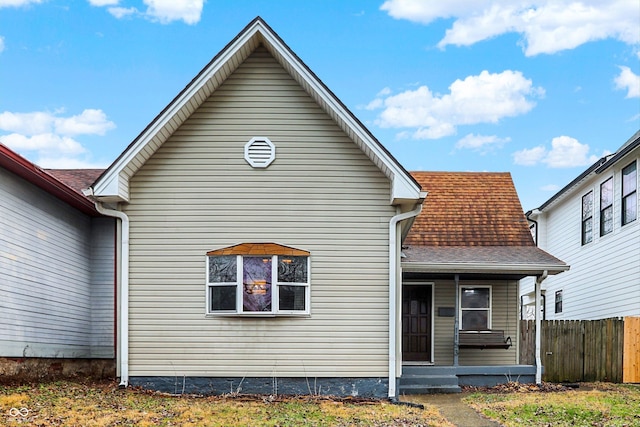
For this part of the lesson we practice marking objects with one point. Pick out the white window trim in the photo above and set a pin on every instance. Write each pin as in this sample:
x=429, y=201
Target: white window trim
x=275, y=292
x=490, y=308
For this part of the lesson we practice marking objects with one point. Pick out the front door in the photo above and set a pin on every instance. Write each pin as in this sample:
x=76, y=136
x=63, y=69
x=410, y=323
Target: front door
x=416, y=323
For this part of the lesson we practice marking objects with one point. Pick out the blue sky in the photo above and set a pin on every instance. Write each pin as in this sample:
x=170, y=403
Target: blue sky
x=540, y=89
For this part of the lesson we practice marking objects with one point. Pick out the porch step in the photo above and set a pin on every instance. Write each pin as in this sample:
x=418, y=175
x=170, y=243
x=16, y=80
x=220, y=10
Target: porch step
x=428, y=389
x=428, y=380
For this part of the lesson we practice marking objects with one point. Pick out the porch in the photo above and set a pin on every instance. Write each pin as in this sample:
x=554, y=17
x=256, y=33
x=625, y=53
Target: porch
x=430, y=379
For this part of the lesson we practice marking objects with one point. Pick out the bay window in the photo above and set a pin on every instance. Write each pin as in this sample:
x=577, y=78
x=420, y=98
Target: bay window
x=241, y=281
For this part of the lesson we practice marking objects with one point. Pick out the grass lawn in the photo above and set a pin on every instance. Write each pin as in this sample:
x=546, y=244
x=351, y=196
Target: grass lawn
x=68, y=403
x=593, y=404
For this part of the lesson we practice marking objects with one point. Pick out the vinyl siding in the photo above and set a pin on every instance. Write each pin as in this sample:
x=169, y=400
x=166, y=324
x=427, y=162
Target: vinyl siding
x=321, y=194
x=604, y=279
x=45, y=286
x=504, y=316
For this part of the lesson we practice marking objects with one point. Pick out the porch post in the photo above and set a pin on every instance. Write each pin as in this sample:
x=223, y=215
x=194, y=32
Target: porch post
x=456, y=322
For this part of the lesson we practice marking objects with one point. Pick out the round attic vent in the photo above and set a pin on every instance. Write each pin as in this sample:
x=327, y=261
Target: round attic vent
x=259, y=152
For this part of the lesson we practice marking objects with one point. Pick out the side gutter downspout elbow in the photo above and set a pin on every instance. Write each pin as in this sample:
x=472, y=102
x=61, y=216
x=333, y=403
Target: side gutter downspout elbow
x=538, y=297
x=124, y=290
x=393, y=286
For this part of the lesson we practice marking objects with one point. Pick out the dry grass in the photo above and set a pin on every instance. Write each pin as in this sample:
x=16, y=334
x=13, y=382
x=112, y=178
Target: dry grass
x=595, y=404
x=67, y=403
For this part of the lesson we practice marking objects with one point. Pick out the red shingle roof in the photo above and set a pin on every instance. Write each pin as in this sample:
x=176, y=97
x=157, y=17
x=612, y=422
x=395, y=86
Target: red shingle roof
x=77, y=179
x=469, y=209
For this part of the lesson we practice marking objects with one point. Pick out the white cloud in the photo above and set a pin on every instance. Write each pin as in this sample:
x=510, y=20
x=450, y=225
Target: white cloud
x=100, y=3
x=629, y=81
x=43, y=143
x=550, y=187
x=547, y=26
x=1, y=44
x=481, y=143
x=121, y=12
x=64, y=162
x=166, y=11
x=485, y=98
x=565, y=152
x=18, y=3
x=163, y=11
x=89, y=122
x=51, y=135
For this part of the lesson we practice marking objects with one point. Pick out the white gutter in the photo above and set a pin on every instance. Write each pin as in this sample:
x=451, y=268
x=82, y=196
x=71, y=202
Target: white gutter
x=393, y=286
x=124, y=289
x=539, y=281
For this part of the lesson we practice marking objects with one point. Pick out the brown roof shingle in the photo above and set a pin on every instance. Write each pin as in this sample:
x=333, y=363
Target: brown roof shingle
x=469, y=209
x=77, y=179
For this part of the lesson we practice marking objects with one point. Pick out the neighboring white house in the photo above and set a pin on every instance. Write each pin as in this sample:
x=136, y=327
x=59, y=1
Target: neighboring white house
x=592, y=224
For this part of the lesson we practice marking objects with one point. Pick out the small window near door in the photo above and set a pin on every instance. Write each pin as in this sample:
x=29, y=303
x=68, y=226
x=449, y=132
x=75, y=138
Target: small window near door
x=558, y=303
x=475, y=308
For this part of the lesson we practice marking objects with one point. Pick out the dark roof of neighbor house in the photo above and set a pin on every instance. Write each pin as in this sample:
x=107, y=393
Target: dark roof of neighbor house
x=473, y=223
x=68, y=192
x=77, y=179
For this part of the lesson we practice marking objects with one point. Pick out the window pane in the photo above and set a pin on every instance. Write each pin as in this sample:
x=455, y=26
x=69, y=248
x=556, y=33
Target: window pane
x=629, y=208
x=256, y=279
x=292, y=269
x=475, y=298
x=222, y=269
x=587, y=231
x=223, y=298
x=475, y=320
x=606, y=221
x=292, y=297
x=587, y=205
x=629, y=179
x=606, y=193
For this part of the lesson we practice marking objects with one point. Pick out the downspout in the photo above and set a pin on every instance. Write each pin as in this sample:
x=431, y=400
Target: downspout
x=124, y=290
x=393, y=286
x=539, y=281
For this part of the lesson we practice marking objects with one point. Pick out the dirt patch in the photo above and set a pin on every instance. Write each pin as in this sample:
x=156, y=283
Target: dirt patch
x=28, y=369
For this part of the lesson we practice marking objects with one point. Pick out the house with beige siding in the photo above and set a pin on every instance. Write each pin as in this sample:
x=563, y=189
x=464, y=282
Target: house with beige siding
x=261, y=230
x=267, y=242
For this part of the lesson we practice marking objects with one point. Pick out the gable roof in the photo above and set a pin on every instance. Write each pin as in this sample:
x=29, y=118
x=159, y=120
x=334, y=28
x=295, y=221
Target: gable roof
x=114, y=183
x=49, y=182
x=469, y=209
x=598, y=167
x=473, y=224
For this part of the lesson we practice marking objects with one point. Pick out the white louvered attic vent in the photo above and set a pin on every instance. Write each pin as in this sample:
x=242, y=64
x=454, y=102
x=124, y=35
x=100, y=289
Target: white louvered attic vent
x=259, y=152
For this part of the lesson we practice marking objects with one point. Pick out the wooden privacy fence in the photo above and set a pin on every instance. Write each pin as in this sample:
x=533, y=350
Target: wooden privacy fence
x=585, y=350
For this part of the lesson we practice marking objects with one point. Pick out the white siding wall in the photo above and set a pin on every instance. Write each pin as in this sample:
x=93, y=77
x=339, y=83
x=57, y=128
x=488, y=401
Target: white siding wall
x=45, y=295
x=197, y=193
x=504, y=317
x=604, y=279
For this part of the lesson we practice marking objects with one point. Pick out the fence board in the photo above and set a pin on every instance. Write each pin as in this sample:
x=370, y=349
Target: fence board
x=583, y=350
x=631, y=359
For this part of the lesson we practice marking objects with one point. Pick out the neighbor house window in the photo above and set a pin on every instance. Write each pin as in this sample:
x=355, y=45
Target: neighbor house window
x=475, y=308
x=241, y=280
x=587, y=218
x=629, y=193
x=606, y=207
x=558, y=303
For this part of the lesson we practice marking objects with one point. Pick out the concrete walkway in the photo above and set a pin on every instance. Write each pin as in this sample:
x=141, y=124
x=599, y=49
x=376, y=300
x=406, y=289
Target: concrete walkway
x=453, y=409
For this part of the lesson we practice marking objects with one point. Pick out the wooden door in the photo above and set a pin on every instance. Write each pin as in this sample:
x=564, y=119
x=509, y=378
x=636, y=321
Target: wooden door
x=416, y=323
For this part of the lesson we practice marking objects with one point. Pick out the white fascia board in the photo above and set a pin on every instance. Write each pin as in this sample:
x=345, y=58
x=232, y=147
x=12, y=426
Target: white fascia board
x=530, y=269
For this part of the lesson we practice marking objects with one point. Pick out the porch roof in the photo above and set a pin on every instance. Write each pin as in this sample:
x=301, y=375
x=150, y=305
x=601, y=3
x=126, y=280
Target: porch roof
x=509, y=262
